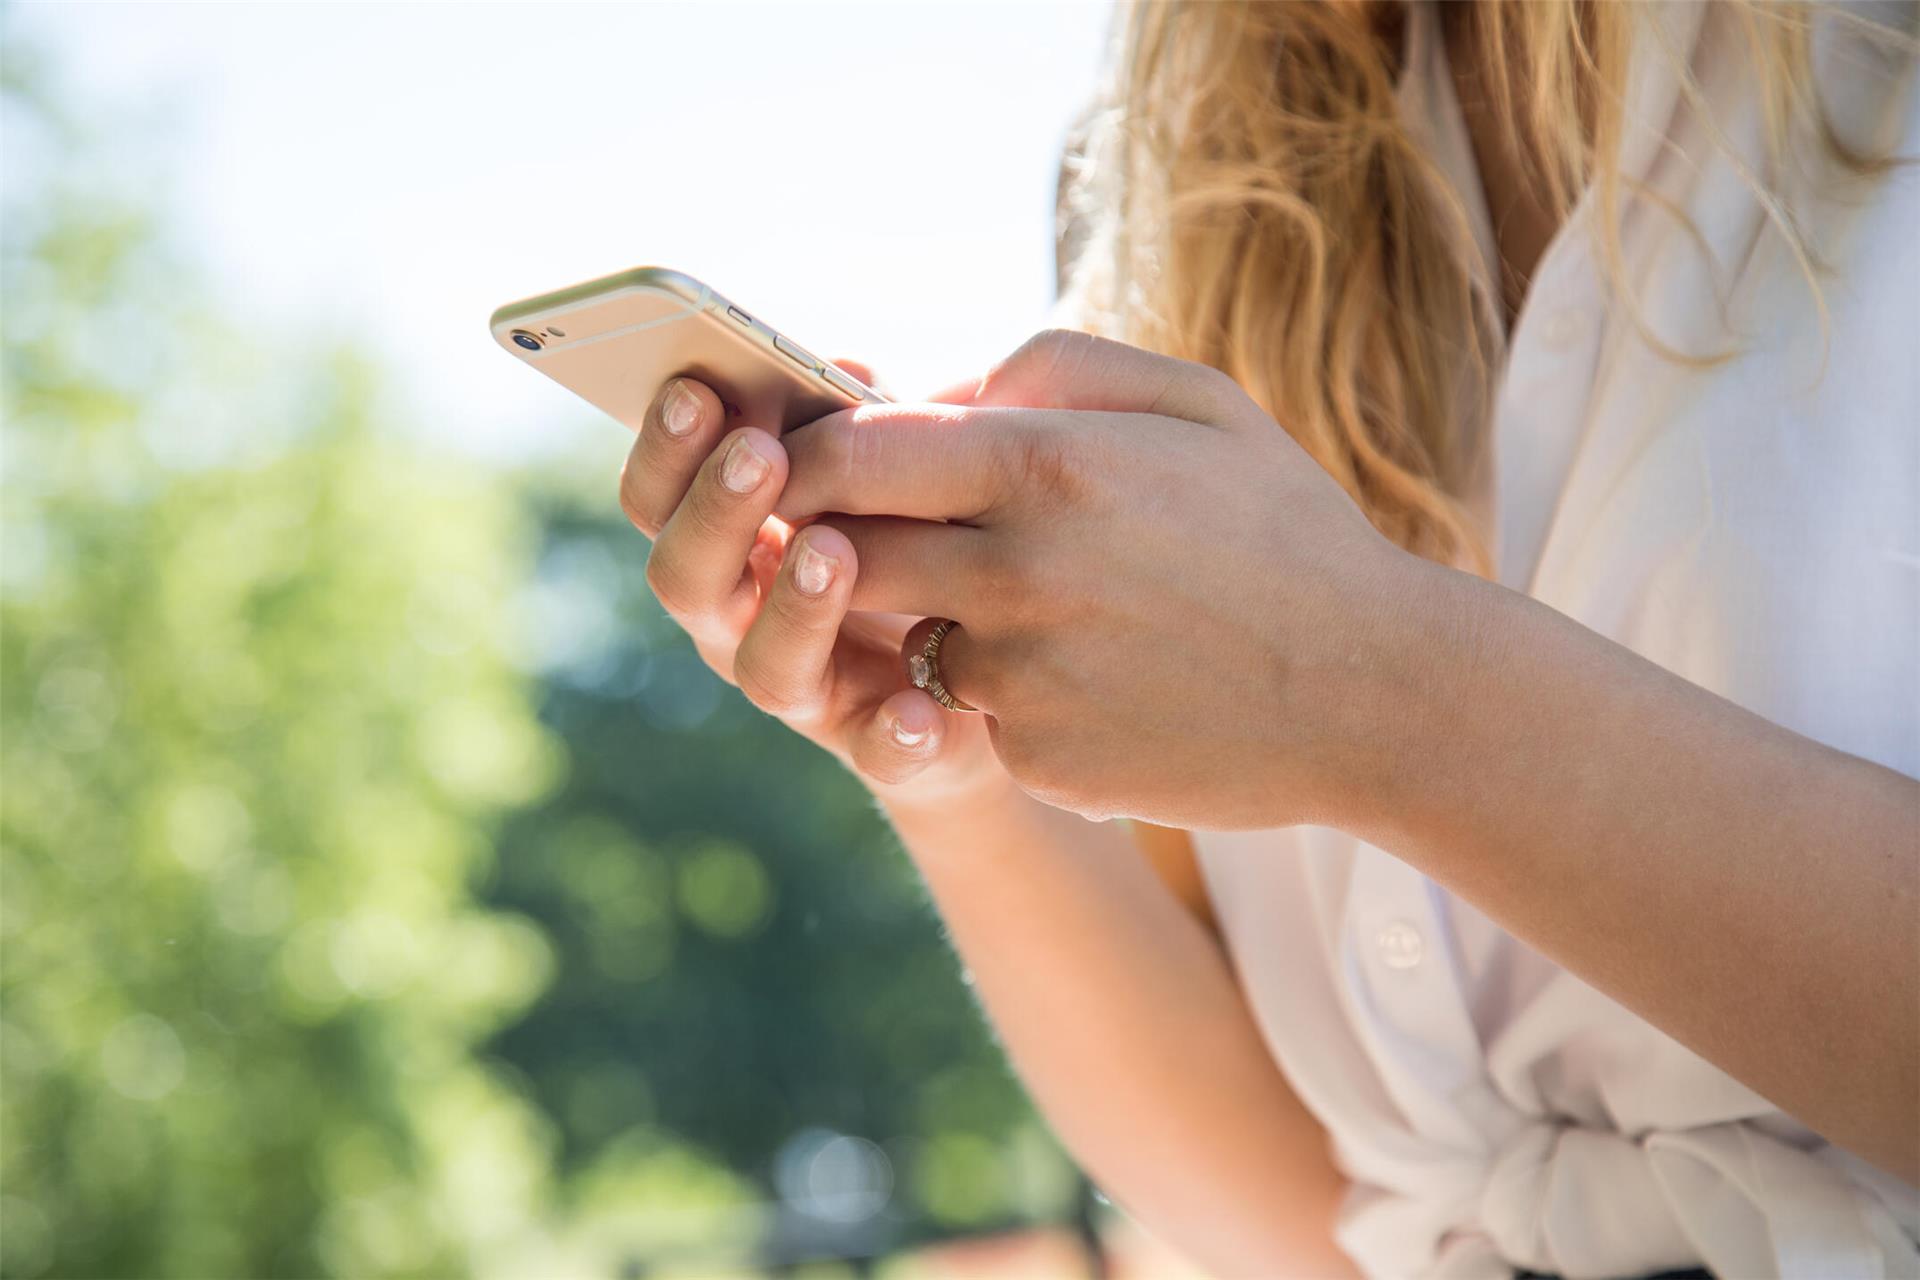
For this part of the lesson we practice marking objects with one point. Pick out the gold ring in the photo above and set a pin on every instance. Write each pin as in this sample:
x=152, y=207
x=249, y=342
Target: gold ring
x=923, y=668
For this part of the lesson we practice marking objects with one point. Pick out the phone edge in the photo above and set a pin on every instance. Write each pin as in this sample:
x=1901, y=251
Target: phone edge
x=676, y=283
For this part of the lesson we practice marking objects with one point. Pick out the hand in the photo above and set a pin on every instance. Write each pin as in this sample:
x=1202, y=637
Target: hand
x=767, y=607
x=1167, y=610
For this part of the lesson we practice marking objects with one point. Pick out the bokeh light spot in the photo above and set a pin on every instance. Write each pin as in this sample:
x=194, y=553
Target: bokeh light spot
x=835, y=1177
x=142, y=1058
x=958, y=1178
x=724, y=890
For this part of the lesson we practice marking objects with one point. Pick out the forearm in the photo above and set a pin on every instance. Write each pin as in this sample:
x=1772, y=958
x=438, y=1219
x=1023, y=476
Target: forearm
x=1121, y=1015
x=1750, y=892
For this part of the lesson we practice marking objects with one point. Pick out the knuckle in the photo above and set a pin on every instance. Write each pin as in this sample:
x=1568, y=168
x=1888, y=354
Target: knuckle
x=1036, y=359
x=667, y=581
x=1219, y=381
x=704, y=512
x=1219, y=390
x=854, y=451
x=633, y=500
x=834, y=449
x=1054, y=344
x=710, y=509
x=797, y=616
x=1052, y=462
x=783, y=618
x=771, y=691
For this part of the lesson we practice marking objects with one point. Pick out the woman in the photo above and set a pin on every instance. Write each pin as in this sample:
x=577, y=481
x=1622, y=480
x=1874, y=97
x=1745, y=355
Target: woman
x=1541, y=699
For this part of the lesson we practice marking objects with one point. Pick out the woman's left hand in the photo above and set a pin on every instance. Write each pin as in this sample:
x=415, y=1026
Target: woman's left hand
x=1167, y=609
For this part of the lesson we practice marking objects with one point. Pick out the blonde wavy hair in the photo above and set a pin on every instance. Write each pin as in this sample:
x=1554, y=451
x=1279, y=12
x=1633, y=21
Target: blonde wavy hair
x=1249, y=198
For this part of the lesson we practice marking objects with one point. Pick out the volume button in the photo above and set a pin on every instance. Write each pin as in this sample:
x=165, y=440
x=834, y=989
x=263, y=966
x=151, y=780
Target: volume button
x=739, y=317
x=843, y=383
x=796, y=355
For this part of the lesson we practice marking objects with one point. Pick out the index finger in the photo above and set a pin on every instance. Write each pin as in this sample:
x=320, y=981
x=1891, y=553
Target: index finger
x=927, y=461
x=1064, y=369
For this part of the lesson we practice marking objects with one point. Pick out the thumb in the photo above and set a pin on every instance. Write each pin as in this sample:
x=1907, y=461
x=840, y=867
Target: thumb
x=903, y=736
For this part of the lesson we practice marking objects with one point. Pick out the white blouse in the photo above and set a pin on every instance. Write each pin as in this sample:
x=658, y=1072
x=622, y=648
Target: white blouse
x=1754, y=527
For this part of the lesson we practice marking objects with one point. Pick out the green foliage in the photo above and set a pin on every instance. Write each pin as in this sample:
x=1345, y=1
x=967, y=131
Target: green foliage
x=386, y=888
x=256, y=738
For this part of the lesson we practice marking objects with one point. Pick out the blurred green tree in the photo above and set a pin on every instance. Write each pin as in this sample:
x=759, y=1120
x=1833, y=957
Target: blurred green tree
x=320, y=951
x=258, y=730
x=745, y=960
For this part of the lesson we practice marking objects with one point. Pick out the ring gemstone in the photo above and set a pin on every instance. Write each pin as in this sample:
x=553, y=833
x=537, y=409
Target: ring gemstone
x=920, y=670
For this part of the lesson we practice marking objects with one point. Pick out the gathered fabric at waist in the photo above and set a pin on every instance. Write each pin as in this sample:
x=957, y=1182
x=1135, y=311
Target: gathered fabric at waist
x=1496, y=1114
x=1565, y=1200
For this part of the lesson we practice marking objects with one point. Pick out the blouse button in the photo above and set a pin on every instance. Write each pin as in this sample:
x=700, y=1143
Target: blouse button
x=1401, y=946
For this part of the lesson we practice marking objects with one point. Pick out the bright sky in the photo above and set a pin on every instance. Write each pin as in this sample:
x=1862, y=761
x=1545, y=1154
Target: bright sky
x=877, y=179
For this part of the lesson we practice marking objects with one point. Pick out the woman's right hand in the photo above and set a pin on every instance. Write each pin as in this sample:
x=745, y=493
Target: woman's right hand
x=768, y=607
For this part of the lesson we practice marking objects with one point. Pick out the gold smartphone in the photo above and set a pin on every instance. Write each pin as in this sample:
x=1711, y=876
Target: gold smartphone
x=616, y=340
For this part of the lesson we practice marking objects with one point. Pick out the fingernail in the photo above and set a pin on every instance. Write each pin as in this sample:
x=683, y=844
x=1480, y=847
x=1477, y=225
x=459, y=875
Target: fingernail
x=813, y=569
x=681, y=413
x=909, y=737
x=743, y=468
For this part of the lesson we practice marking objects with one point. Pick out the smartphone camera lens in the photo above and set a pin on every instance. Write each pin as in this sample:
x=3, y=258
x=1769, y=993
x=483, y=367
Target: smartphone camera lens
x=527, y=341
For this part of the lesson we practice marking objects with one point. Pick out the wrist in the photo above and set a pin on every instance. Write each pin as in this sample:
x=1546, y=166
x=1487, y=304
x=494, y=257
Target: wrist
x=1407, y=738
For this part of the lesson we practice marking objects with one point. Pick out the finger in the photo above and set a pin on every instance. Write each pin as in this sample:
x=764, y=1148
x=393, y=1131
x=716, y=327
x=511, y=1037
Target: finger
x=769, y=547
x=863, y=372
x=785, y=663
x=1065, y=369
x=930, y=462
x=699, y=568
x=901, y=738
x=676, y=435
x=919, y=567
x=964, y=392
x=958, y=663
